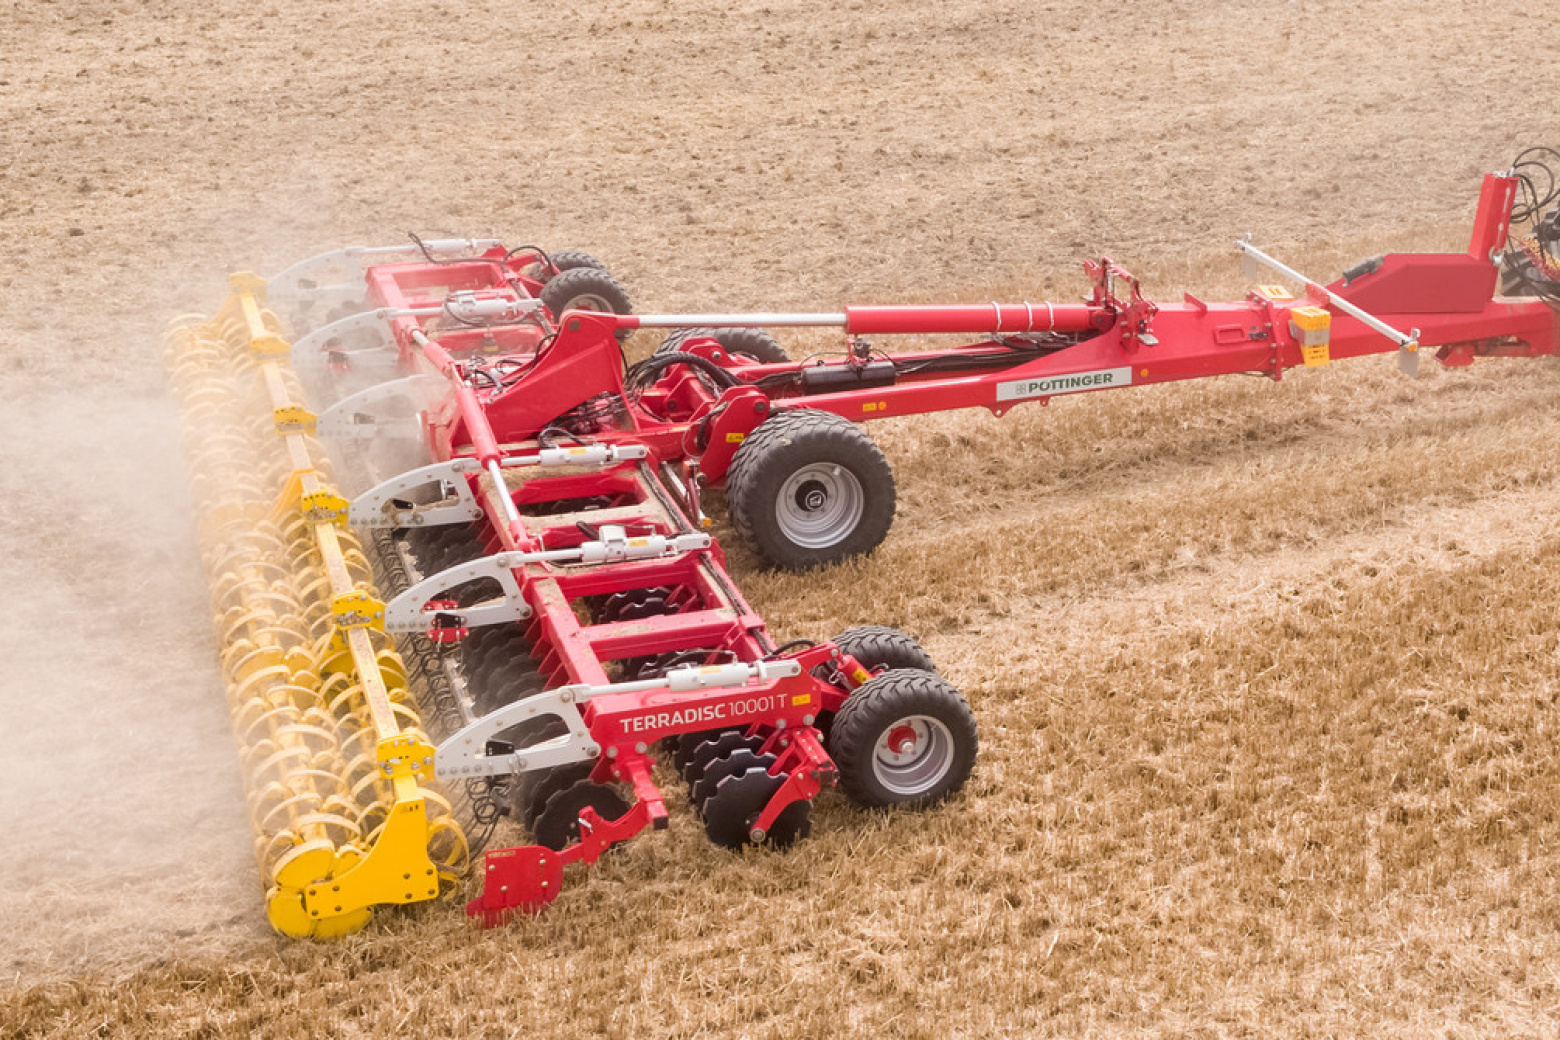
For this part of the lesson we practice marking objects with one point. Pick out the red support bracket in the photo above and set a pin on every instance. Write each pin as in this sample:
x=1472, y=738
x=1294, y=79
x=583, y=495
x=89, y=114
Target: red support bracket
x=1493, y=220
x=807, y=777
x=1135, y=314
x=523, y=879
x=526, y=878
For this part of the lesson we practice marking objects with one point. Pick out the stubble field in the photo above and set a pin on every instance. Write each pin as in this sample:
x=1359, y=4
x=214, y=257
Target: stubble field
x=1266, y=674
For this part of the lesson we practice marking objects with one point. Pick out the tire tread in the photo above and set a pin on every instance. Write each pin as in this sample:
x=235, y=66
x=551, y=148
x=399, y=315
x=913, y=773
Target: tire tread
x=758, y=453
x=896, y=694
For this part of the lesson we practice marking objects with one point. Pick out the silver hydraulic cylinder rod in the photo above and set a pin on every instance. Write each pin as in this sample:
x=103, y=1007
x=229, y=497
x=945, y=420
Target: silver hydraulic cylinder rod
x=501, y=492
x=1406, y=340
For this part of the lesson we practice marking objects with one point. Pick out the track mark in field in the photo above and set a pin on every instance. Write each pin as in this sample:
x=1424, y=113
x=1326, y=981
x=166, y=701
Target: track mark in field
x=955, y=464
x=934, y=576
x=1232, y=590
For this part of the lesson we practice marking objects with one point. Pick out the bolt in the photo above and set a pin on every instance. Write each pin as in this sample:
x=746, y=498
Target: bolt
x=779, y=724
x=757, y=834
x=612, y=752
x=807, y=720
x=641, y=747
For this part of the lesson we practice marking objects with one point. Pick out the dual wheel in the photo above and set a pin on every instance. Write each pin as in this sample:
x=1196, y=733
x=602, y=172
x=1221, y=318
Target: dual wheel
x=905, y=738
x=807, y=488
x=574, y=280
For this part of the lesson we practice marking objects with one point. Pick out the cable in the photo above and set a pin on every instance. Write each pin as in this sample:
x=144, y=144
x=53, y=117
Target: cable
x=478, y=371
x=643, y=373
x=795, y=644
x=428, y=255
x=1529, y=261
x=550, y=431
x=547, y=263
x=1529, y=163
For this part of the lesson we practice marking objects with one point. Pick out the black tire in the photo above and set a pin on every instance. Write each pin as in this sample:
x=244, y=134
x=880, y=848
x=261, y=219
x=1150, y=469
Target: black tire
x=878, y=646
x=561, y=260
x=1517, y=274
x=585, y=288
x=931, y=712
x=754, y=343
x=569, y=259
x=809, y=488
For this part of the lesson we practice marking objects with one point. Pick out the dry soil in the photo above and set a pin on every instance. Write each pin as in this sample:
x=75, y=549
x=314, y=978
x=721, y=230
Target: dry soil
x=1266, y=674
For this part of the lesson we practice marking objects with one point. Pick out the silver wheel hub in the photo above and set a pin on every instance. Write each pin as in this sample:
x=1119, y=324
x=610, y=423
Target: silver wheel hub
x=913, y=755
x=588, y=302
x=820, y=505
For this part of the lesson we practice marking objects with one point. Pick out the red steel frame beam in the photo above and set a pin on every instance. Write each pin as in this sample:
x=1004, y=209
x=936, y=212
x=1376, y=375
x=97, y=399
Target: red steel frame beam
x=1447, y=298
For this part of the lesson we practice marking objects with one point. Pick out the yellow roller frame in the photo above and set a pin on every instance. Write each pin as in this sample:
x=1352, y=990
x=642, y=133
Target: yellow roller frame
x=321, y=883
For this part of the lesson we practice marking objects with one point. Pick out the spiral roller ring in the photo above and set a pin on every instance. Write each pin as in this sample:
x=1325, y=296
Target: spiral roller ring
x=335, y=760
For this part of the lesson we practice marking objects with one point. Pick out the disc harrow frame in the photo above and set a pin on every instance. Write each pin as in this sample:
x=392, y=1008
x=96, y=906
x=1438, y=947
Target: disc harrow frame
x=533, y=505
x=557, y=600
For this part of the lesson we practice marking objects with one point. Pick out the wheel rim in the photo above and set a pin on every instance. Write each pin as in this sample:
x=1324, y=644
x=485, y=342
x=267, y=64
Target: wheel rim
x=913, y=755
x=820, y=505
x=588, y=302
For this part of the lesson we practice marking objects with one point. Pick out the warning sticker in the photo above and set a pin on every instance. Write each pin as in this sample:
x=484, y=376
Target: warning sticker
x=1047, y=386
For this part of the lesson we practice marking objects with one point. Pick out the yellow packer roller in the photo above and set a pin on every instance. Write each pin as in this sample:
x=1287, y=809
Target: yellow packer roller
x=335, y=759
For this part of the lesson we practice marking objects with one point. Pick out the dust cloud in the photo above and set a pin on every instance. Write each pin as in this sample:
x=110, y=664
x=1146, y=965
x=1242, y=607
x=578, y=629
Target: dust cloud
x=120, y=786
